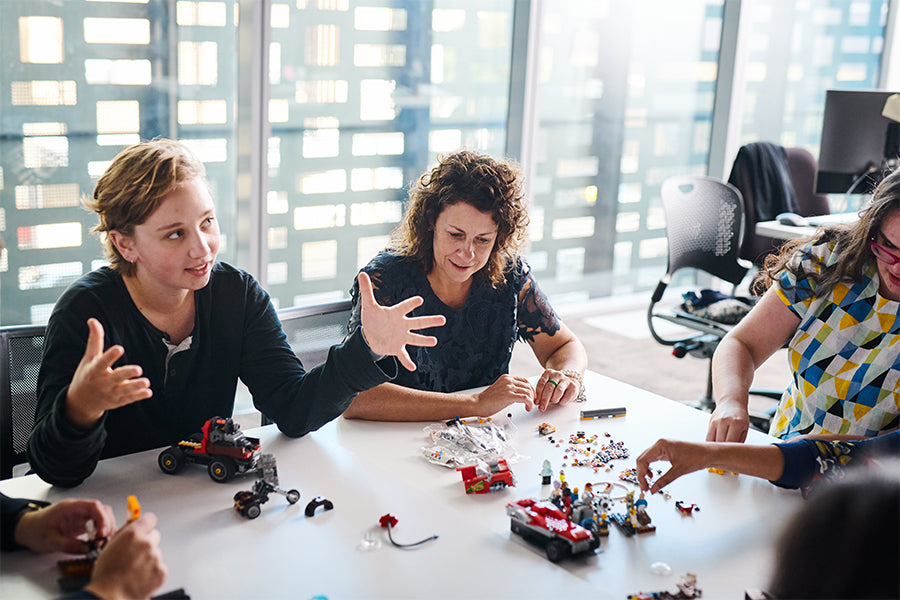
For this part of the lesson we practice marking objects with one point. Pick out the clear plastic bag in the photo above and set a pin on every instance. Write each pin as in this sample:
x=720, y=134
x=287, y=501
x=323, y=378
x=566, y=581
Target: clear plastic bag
x=464, y=441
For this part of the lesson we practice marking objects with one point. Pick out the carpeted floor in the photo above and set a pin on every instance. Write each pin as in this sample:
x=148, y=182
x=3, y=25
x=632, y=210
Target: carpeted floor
x=619, y=345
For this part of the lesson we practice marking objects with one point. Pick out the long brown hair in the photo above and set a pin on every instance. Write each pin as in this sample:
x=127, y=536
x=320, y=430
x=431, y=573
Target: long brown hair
x=489, y=185
x=851, y=242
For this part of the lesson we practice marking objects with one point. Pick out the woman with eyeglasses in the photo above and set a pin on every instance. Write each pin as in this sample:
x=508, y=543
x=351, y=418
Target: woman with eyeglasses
x=834, y=298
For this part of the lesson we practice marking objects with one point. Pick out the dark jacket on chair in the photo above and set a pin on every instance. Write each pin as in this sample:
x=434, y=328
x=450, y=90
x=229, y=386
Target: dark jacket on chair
x=761, y=171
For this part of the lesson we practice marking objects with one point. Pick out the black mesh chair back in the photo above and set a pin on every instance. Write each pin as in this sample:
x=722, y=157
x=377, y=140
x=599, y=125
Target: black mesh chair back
x=21, y=348
x=704, y=226
x=313, y=330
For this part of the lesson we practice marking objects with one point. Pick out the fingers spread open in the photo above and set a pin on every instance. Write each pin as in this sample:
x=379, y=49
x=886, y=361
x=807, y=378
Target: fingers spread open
x=426, y=321
x=405, y=360
x=95, y=338
x=367, y=292
x=416, y=339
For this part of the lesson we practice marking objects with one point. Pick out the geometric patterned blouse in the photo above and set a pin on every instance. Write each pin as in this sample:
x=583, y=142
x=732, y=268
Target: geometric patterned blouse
x=844, y=357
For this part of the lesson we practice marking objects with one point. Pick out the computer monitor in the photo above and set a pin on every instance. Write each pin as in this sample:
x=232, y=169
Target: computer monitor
x=857, y=141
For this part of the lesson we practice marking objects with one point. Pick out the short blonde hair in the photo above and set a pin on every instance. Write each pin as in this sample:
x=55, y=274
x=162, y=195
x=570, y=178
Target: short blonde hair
x=133, y=187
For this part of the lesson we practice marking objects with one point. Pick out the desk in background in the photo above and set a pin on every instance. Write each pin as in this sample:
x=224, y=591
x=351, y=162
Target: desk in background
x=779, y=231
x=369, y=469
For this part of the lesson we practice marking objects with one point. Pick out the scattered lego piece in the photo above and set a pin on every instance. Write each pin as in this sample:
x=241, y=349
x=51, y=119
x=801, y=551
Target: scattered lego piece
x=546, y=428
x=134, y=508
x=719, y=471
x=687, y=590
x=316, y=503
x=247, y=503
x=602, y=413
x=388, y=521
x=75, y=573
x=686, y=510
x=629, y=475
x=579, y=437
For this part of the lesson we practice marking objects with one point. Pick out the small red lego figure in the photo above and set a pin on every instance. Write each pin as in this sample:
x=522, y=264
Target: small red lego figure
x=686, y=510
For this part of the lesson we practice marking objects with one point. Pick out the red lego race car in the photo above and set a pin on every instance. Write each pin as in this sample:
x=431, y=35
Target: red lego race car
x=545, y=524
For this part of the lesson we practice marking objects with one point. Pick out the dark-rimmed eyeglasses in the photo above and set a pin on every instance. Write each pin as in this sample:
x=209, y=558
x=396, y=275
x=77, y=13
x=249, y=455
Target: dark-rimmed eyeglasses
x=882, y=253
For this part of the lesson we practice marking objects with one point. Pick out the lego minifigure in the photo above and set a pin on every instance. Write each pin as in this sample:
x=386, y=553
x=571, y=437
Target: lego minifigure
x=546, y=472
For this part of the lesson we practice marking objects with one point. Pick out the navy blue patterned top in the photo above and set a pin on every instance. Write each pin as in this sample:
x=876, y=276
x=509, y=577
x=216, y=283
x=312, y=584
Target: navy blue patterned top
x=475, y=345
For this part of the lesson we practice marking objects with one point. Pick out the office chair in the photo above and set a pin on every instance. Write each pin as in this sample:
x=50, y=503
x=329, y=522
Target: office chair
x=21, y=347
x=773, y=180
x=313, y=330
x=704, y=228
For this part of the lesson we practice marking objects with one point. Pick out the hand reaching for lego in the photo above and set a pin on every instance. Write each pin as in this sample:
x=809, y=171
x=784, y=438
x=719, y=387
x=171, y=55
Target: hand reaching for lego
x=61, y=526
x=97, y=387
x=130, y=565
x=508, y=389
x=388, y=330
x=766, y=462
x=555, y=387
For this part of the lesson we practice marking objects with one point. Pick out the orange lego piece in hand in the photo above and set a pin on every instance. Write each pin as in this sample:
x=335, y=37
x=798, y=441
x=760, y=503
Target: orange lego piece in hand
x=134, y=508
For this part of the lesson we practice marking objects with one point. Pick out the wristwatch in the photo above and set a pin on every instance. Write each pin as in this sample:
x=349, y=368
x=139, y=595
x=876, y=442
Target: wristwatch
x=9, y=529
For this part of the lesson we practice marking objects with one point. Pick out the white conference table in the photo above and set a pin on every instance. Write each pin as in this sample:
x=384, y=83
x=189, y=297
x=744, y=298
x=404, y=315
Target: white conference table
x=369, y=469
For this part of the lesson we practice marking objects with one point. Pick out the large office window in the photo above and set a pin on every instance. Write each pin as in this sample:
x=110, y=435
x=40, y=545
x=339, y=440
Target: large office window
x=361, y=97
x=81, y=81
x=797, y=50
x=625, y=99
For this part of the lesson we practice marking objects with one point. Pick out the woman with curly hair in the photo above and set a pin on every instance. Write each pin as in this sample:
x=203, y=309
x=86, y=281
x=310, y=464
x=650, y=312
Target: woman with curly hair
x=458, y=247
x=835, y=299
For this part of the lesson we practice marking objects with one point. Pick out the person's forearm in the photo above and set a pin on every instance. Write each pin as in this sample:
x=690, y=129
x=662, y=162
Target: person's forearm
x=392, y=402
x=732, y=372
x=766, y=462
x=570, y=355
x=60, y=454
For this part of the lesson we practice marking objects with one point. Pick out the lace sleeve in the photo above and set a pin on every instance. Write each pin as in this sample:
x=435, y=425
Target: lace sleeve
x=535, y=315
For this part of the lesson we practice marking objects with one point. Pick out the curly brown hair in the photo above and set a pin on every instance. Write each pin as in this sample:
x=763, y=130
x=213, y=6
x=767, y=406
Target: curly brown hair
x=134, y=185
x=489, y=185
x=851, y=242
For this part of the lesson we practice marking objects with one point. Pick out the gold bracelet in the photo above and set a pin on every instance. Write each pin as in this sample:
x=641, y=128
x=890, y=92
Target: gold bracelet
x=576, y=376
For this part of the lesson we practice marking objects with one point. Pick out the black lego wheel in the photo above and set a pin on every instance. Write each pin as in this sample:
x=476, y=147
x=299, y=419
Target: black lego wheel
x=556, y=550
x=221, y=470
x=171, y=460
x=252, y=511
x=293, y=496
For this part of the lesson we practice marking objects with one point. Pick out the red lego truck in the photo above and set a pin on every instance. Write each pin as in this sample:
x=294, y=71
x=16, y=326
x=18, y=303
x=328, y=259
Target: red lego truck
x=221, y=445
